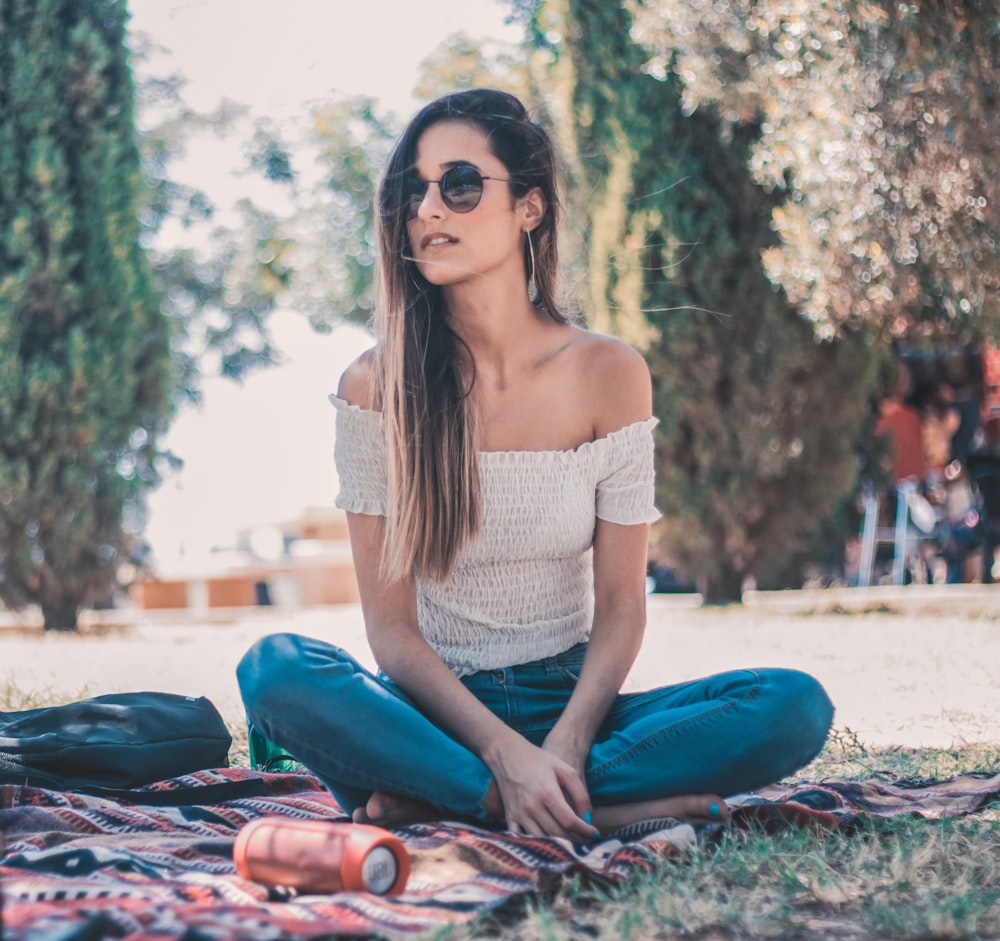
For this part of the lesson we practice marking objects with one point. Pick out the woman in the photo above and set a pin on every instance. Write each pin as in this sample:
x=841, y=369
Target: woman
x=496, y=466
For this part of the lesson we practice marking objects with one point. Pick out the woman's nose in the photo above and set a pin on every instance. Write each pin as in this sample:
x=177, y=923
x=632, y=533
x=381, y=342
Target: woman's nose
x=432, y=205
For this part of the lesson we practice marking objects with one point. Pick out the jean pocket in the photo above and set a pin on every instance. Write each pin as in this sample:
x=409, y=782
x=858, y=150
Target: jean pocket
x=569, y=663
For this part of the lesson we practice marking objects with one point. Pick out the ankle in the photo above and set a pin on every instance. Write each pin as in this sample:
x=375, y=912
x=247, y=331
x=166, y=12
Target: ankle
x=492, y=803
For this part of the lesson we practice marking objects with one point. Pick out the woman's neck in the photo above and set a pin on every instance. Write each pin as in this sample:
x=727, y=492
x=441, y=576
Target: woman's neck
x=497, y=330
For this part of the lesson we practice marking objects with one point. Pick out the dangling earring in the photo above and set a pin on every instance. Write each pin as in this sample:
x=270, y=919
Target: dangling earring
x=532, y=284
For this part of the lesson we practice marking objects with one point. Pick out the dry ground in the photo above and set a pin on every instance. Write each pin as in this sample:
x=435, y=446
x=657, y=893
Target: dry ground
x=916, y=666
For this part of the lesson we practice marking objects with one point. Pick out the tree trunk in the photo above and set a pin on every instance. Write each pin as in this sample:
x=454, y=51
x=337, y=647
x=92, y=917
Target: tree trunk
x=59, y=614
x=722, y=587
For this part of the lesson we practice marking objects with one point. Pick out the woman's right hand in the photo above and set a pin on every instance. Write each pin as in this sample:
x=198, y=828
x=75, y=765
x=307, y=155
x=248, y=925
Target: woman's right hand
x=541, y=794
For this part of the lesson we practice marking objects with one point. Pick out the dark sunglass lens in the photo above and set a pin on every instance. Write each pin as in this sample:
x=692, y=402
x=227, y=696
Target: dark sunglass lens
x=462, y=188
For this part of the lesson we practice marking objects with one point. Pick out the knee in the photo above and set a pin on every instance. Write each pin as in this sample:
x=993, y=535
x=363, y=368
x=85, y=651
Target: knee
x=805, y=710
x=267, y=665
x=280, y=670
x=272, y=667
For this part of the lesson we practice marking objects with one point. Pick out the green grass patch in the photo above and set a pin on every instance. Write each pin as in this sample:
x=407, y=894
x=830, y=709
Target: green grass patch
x=846, y=757
x=895, y=879
x=899, y=878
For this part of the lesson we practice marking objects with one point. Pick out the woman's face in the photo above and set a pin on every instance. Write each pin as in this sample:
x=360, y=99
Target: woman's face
x=452, y=247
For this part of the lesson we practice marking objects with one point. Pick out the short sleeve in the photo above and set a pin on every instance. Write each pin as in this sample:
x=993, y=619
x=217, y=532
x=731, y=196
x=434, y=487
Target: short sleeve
x=625, y=488
x=359, y=454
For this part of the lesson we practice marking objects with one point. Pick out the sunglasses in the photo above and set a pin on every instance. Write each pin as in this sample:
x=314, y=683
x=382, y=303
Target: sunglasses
x=461, y=190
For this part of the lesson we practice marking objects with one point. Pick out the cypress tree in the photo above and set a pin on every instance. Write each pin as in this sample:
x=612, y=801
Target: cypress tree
x=85, y=376
x=758, y=419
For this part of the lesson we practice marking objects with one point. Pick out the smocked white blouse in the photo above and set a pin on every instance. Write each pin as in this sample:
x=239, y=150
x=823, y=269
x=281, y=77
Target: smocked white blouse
x=524, y=588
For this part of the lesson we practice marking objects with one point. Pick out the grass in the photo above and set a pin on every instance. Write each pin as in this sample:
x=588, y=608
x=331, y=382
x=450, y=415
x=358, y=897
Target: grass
x=14, y=698
x=901, y=878
x=904, y=879
x=239, y=751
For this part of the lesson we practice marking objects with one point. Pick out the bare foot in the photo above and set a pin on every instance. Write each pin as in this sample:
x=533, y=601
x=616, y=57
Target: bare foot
x=702, y=808
x=394, y=810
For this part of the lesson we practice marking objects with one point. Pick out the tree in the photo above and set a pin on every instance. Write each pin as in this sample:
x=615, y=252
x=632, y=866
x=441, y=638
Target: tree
x=331, y=221
x=85, y=374
x=752, y=452
x=880, y=121
x=312, y=249
x=218, y=281
x=462, y=61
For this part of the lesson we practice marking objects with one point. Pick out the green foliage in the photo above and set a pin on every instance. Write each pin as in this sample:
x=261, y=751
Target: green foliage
x=880, y=121
x=218, y=281
x=223, y=269
x=269, y=156
x=754, y=452
x=85, y=379
x=218, y=301
x=332, y=220
x=462, y=61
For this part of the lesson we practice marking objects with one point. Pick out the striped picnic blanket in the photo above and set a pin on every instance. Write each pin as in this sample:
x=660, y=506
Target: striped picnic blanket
x=88, y=868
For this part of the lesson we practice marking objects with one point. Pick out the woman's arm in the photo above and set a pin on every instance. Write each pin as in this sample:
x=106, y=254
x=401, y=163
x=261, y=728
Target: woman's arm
x=615, y=638
x=531, y=787
x=620, y=554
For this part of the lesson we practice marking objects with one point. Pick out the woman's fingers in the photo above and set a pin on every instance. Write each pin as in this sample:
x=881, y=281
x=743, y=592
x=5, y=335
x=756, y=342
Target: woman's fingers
x=552, y=817
x=543, y=795
x=576, y=793
x=569, y=823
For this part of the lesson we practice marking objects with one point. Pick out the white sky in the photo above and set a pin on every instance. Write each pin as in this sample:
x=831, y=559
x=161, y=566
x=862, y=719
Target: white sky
x=261, y=452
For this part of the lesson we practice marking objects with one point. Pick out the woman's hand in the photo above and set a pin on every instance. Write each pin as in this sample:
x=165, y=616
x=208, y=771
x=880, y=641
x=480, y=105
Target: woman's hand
x=542, y=795
x=570, y=749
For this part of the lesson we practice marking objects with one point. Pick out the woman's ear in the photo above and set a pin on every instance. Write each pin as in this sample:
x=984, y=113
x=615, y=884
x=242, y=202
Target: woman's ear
x=533, y=208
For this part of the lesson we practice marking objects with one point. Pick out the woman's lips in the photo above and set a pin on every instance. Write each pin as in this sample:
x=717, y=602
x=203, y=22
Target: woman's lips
x=436, y=240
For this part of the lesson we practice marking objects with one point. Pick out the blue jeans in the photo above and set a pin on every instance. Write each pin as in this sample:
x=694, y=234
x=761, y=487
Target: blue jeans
x=358, y=733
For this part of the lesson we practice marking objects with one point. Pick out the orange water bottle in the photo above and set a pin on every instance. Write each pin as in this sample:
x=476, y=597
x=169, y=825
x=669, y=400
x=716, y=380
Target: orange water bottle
x=318, y=857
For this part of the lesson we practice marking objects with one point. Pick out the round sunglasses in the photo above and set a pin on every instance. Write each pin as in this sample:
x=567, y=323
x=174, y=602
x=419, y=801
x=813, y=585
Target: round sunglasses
x=461, y=190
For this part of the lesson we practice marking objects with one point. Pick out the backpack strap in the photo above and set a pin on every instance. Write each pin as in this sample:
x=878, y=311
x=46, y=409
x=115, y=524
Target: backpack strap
x=182, y=796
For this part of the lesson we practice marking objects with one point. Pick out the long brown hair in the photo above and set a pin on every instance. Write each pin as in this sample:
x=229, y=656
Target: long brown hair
x=424, y=373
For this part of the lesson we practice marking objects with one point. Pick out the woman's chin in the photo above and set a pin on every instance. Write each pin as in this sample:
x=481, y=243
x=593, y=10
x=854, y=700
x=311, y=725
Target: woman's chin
x=442, y=276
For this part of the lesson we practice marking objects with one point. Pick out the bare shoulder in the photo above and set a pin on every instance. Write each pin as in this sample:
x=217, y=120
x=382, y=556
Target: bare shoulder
x=615, y=380
x=355, y=384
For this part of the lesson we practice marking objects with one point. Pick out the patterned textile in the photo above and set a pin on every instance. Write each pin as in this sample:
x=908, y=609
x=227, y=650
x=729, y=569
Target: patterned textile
x=78, y=867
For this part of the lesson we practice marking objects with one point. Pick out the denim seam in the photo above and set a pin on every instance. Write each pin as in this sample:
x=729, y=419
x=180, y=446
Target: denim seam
x=650, y=741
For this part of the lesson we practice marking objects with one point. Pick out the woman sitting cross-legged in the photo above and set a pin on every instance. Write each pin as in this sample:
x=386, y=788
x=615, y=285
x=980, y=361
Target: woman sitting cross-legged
x=496, y=466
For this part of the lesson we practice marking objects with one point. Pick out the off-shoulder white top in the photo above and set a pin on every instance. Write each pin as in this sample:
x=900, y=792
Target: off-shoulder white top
x=524, y=588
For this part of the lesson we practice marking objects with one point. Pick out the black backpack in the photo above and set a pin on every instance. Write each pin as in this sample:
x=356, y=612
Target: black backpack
x=111, y=745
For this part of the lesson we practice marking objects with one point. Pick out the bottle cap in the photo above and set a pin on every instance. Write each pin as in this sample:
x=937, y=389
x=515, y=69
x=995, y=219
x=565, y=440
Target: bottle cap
x=374, y=861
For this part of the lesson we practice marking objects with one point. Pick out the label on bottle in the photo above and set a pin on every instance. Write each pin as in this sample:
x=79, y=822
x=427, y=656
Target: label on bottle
x=379, y=870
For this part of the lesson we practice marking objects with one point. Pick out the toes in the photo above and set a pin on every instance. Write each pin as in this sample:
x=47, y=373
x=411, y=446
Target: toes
x=372, y=811
x=718, y=811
